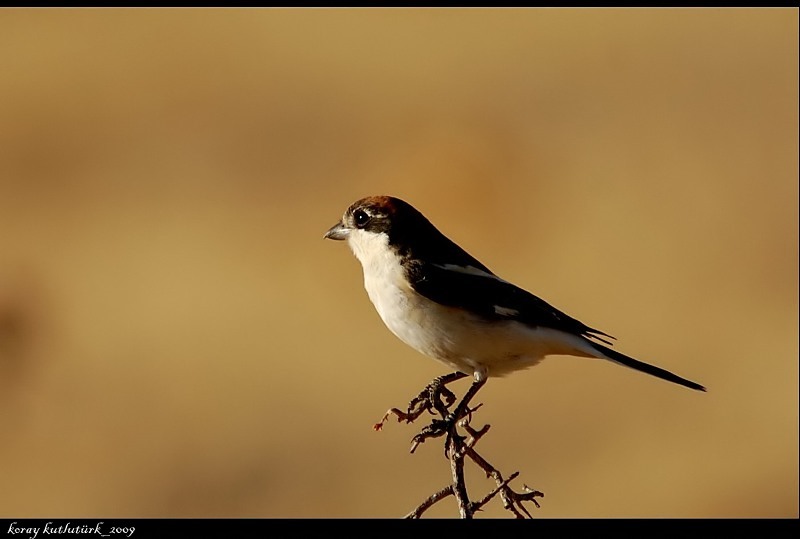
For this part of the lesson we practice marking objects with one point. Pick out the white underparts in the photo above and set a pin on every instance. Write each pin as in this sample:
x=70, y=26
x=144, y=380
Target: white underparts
x=456, y=337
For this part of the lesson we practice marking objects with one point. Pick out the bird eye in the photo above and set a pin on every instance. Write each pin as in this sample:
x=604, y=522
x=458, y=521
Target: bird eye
x=361, y=218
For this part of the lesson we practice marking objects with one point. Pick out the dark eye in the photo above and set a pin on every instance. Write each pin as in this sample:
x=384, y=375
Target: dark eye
x=361, y=218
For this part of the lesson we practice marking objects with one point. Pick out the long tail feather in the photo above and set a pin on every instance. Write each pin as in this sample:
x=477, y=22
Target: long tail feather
x=626, y=361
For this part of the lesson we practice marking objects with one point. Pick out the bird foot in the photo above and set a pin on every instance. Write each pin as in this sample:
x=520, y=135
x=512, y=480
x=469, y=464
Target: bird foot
x=435, y=397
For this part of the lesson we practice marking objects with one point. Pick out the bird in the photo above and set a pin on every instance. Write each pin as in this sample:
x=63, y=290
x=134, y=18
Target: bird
x=445, y=304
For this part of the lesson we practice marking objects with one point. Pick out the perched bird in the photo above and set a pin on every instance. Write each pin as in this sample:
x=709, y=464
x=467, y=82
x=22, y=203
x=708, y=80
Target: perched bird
x=444, y=303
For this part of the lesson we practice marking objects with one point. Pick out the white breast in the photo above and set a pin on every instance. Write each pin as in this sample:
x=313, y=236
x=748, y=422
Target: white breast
x=397, y=304
x=453, y=336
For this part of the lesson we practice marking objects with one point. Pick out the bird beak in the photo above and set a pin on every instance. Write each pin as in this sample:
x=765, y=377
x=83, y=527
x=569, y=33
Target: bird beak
x=337, y=232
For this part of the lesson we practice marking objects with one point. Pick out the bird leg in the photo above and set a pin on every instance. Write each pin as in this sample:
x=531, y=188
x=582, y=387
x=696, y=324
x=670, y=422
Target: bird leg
x=448, y=424
x=429, y=399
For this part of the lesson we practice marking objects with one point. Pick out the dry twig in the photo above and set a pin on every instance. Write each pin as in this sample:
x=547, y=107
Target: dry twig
x=437, y=399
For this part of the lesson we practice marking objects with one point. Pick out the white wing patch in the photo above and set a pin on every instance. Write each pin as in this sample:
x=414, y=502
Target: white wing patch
x=505, y=311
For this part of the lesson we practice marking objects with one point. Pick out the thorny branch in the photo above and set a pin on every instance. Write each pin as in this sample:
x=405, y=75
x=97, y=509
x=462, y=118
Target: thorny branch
x=437, y=399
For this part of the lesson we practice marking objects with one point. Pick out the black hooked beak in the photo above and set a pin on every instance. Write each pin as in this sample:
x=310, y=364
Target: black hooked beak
x=337, y=232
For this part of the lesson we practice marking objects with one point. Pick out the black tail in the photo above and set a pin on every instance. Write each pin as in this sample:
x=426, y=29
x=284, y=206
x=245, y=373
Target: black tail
x=622, y=359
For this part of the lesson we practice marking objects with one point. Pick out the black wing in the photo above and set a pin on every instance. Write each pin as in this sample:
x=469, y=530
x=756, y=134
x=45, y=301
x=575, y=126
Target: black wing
x=492, y=298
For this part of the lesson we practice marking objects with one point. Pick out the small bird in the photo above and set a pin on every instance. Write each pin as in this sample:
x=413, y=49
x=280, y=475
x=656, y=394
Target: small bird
x=444, y=303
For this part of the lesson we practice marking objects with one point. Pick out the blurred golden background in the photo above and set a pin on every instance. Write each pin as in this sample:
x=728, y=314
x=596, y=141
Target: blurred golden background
x=177, y=340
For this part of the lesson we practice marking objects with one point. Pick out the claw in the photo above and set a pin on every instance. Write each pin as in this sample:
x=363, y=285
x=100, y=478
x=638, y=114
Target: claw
x=435, y=398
